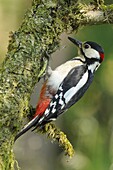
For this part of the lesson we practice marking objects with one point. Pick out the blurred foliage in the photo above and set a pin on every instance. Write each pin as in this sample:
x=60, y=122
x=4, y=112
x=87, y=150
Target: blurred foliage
x=89, y=123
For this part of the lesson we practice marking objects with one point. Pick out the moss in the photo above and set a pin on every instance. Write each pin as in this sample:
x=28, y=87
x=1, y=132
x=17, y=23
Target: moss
x=7, y=156
x=56, y=134
x=25, y=63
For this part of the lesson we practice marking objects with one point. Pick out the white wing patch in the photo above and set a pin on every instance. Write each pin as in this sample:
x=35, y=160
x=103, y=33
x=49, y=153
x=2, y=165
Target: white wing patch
x=56, y=96
x=61, y=101
x=46, y=112
x=72, y=91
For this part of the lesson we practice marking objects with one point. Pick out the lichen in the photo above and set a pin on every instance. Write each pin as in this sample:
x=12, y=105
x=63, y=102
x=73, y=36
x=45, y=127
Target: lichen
x=55, y=134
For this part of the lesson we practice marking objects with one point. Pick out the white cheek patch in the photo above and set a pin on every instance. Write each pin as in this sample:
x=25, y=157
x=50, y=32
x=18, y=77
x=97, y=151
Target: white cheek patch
x=72, y=91
x=91, y=53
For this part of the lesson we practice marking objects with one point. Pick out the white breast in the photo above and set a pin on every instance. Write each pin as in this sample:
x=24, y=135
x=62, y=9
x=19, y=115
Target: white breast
x=61, y=72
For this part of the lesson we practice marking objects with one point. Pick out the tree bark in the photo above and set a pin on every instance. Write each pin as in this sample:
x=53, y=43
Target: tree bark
x=27, y=59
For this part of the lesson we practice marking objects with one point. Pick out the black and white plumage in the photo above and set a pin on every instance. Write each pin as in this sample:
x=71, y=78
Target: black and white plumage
x=67, y=83
x=69, y=92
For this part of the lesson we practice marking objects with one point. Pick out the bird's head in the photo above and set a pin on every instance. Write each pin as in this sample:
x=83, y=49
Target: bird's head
x=92, y=52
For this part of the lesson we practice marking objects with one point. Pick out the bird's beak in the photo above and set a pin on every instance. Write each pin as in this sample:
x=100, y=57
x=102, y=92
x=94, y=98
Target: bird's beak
x=76, y=42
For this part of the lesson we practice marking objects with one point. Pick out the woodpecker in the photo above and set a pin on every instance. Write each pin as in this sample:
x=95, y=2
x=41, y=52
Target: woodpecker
x=66, y=84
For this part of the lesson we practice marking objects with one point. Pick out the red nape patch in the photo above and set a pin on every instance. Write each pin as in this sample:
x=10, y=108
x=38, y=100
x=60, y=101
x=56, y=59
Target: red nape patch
x=102, y=56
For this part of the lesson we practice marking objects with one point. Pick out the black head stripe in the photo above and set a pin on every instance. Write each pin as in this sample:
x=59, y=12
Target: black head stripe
x=91, y=61
x=95, y=46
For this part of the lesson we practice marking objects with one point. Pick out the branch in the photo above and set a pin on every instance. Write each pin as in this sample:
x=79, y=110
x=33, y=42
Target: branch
x=26, y=60
x=56, y=134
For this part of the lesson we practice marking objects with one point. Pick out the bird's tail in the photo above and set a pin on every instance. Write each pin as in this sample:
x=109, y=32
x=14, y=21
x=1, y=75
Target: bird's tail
x=31, y=124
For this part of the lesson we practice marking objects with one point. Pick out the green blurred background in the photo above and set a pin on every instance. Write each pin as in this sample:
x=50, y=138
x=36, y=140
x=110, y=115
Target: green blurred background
x=89, y=123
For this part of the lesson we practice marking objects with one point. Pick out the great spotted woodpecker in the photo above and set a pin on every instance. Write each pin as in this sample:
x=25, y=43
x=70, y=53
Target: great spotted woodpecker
x=66, y=84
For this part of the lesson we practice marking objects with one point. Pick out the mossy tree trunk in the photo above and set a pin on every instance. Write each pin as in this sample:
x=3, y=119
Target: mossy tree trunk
x=26, y=59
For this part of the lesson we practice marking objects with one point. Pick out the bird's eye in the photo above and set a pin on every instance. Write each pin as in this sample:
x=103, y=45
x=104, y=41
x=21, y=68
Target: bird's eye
x=86, y=46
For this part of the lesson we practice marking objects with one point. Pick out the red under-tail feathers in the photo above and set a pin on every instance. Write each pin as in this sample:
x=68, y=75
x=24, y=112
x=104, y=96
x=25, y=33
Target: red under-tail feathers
x=43, y=103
